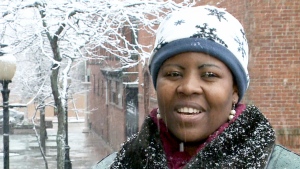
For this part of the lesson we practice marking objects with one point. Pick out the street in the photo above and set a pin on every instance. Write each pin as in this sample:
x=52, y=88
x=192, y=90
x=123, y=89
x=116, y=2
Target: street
x=86, y=149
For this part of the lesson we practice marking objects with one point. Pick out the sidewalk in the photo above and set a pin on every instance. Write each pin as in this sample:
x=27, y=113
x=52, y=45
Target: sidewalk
x=86, y=149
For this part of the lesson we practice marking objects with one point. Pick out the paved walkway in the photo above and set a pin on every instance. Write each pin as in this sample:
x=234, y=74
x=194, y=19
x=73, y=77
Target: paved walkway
x=86, y=149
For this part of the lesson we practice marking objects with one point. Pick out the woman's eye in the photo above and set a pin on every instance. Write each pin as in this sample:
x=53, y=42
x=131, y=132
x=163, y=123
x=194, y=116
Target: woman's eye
x=208, y=74
x=173, y=74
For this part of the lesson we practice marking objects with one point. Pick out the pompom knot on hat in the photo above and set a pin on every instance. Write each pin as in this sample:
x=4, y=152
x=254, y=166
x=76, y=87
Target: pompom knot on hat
x=204, y=29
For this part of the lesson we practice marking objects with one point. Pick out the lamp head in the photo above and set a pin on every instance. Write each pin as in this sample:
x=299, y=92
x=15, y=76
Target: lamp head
x=7, y=63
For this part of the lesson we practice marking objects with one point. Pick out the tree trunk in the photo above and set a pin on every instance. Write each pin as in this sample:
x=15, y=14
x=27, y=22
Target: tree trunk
x=60, y=138
x=61, y=134
x=43, y=132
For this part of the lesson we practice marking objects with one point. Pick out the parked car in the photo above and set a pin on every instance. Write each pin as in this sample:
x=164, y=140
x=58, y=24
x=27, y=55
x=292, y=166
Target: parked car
x=15, y=117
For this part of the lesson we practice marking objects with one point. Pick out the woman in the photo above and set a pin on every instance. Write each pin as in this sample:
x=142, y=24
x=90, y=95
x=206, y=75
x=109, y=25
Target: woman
x=199, y=71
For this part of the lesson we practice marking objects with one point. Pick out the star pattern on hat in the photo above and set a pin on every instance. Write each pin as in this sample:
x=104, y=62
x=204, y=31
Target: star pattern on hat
x=240, y=46
x=179, y=22
x=217, y=13
x=161, y=43
x=243, y=34
x=208, y=33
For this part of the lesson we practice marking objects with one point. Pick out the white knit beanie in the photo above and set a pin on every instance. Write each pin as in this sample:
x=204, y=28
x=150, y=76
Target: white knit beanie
x=204, y=29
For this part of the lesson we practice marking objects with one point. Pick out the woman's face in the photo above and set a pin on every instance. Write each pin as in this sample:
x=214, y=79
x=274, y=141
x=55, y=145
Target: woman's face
x=195, y=94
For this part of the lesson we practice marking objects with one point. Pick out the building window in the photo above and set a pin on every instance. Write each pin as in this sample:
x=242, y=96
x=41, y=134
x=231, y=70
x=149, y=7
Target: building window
x=102, y=87
x=115, y=93
x=94, y=86
x=107, y=89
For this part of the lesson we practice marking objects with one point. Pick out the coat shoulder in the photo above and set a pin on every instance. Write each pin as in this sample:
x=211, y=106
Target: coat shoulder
x=106, y=162
x=283, y=158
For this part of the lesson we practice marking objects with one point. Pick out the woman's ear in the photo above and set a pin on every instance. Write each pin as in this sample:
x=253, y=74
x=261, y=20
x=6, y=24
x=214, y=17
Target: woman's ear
x=235, y=93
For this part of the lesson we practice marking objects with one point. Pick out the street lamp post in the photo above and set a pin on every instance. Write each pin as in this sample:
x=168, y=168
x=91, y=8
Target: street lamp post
x=68, y=164
x=5, y=125
x=7, y=71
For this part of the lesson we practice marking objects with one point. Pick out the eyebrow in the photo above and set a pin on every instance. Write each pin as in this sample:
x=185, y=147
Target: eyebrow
x=208, y=65
x=171, y=64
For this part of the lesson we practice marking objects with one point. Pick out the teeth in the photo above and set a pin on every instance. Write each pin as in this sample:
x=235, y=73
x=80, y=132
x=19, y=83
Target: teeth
x=188, y=110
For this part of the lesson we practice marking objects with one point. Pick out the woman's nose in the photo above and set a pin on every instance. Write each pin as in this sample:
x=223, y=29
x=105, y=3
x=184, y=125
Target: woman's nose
x=190, y=85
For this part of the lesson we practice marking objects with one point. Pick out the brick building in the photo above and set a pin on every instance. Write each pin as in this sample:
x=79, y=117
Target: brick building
x=113, y=101
x=272, y=29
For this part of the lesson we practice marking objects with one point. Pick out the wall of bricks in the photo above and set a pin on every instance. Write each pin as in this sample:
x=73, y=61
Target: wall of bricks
x=274, y=66
x=275, y=62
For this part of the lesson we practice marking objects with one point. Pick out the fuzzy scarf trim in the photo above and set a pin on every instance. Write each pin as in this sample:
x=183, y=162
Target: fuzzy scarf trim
x=246, y=143
x=175, y=158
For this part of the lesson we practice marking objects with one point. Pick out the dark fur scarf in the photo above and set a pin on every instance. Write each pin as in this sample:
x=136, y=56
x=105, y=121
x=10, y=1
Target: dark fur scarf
x=246, y=143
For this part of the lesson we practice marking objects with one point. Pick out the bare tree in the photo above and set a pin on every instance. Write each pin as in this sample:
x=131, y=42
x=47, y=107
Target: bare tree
x=36, y=88
x=70, y=31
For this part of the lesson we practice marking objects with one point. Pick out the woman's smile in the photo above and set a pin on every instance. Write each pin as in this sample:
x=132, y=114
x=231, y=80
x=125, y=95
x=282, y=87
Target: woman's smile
x=188, y=116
